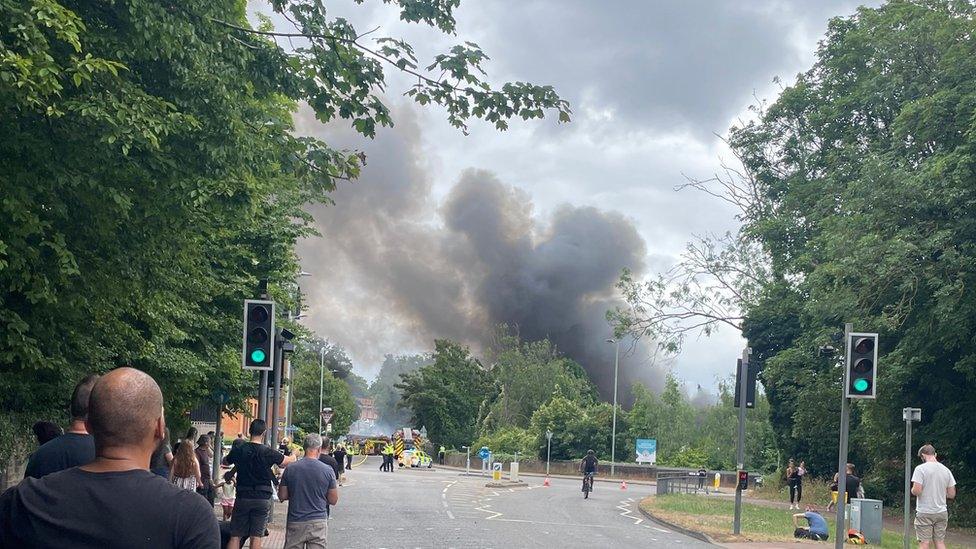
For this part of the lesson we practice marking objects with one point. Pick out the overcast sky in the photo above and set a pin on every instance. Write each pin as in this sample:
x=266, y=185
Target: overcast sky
x=650, y=84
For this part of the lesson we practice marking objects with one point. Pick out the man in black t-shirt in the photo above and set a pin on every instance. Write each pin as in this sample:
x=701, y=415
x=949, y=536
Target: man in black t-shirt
x=114, y=502
x=253, y=461
x=327, y=458
x=76, y=447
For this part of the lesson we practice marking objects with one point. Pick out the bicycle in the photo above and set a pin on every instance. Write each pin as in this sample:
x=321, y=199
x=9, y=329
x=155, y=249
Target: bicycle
x=587, y=484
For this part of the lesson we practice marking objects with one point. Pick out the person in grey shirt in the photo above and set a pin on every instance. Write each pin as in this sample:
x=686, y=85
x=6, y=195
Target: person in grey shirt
x=932, y=484
x=309, y=487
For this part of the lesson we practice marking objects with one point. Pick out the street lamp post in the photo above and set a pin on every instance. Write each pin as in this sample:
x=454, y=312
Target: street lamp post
x=909, y=415
x=548, y=448
x=321, y=383
x=613, y=439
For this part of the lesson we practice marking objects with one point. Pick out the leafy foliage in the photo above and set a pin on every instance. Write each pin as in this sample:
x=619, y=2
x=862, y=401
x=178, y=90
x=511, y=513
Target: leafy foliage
x=337, y=393
x=151, y=178
x=446, y=396
x=384, y=392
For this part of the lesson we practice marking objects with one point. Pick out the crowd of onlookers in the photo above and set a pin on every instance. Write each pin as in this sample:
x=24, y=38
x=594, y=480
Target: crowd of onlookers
x=113, y=479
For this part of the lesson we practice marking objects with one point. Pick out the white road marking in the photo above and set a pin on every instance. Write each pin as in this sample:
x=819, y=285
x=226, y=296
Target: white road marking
x=451, y=516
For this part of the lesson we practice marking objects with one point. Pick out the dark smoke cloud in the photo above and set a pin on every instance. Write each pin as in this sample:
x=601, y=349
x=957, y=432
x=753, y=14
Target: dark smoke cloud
x=394, y=269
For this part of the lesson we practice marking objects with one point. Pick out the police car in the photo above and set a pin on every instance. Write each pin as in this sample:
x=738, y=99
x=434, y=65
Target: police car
x=415, y=458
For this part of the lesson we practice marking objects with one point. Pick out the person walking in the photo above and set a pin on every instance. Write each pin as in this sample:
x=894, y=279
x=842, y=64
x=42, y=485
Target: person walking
x=228, y=489
x=253, y=461
x=932, y=485
x=309, y=487
x=185, y=470
x=795, y=483
x=76, y=447
x=205, y=459
x=113, y=502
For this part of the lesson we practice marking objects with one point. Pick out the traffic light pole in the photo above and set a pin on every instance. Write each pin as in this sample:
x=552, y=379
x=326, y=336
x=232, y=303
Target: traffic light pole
x=276, y=388
x=740, y=447
x=263, y=396
x=840, y=530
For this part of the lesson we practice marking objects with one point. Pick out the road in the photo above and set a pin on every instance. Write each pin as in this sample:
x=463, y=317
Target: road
x=441, y=508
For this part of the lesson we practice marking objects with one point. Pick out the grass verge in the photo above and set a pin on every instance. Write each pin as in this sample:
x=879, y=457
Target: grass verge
x=713, y=517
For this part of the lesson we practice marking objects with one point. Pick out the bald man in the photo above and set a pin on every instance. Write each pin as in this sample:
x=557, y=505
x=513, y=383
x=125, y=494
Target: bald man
x=114, y=501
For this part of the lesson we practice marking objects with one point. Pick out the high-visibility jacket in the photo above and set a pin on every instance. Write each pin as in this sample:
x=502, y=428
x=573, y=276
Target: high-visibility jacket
x=388, y=450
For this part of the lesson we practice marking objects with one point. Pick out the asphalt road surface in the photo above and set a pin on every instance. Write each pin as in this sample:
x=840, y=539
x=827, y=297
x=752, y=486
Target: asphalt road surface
x=441, y=508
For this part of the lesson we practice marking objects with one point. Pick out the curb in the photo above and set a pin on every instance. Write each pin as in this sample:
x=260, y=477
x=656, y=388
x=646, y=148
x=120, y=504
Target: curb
x=543, y=475
x=701, y=536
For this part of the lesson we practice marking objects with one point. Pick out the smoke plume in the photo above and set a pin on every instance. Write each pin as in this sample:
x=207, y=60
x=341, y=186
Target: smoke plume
x=397, y=266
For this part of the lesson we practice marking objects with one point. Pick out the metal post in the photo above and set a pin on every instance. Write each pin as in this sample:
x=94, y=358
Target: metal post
x=613, y=439
x=740, y=446
x=263, y=396
x=840, y=528
x=321, y=382
x=910, y=415
x=467, y=461
x=276, y=397
x=218, y=449
x=548, y=449
x=288, y=398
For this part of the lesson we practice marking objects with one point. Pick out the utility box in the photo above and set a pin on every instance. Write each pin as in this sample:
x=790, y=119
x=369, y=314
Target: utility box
x=514, y=471
x=866, y=518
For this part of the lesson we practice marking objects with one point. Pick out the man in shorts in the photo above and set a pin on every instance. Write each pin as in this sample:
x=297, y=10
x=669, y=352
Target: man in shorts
x=309, y=487
x=932, y=484
x=253, y=461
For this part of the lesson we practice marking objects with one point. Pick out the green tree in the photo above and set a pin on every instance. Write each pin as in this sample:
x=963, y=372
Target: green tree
x=525, y=376
x=178, y=183
x=863, y=172
x=336, y=393
x=384, y=392
x=446, y=395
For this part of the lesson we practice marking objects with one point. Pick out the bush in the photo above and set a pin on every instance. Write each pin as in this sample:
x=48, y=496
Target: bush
x=507, y=440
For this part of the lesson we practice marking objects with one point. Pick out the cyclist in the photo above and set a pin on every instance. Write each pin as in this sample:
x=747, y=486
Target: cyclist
x=588, y=466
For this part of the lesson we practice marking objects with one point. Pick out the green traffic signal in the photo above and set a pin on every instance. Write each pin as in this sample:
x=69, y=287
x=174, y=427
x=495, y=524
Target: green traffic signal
x=258, y=356
x=861, y=385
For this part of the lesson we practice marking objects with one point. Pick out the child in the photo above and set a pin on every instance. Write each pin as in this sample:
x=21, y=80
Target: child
x=228, y=494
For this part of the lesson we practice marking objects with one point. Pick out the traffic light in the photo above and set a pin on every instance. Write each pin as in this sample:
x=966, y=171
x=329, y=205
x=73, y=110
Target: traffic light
x=743, y=483
x=862, y=365
x=752, y=370
x=259, y=332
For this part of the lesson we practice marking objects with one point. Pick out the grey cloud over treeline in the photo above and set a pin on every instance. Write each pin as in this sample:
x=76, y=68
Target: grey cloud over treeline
x=395, y=268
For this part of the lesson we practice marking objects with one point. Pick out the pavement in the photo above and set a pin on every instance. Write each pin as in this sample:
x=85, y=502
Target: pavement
x=442, y=508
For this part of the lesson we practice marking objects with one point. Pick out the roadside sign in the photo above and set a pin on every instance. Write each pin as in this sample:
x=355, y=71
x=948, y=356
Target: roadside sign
x=483, y=453
x=497, y=466
x=327, y=414
x=646, y=449
x=496, y=470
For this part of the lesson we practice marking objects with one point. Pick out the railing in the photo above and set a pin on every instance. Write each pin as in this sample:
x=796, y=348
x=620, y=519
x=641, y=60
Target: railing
x=671, y=483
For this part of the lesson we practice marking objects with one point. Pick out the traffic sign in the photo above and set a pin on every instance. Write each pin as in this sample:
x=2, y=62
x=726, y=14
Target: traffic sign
x=483, y=453
x=497, y=466
x=327, y=414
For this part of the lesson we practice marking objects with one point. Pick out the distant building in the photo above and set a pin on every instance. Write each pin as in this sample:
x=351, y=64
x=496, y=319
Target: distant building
x=367, y=410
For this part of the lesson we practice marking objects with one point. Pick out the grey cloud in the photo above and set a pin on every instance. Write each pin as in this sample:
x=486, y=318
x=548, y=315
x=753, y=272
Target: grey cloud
x=390, y=256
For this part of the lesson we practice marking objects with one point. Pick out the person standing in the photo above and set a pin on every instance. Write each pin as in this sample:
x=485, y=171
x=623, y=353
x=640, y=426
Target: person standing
x=185, y=471
x=162, y=457
x=932, y=485
x=794, y=482
x=253, y=461
x=349, y=452
x=440, y=455
x=325, y=456
x=340, y=457
x=45, y=432
x=76, y=447
x=204, y=458
x=702, y=473
x=309, y=487
x=113, y=502
x=853, y=483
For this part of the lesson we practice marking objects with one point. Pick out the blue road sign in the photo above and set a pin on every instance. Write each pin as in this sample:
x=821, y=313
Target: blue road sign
x=483, y=453
x=646, y=450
